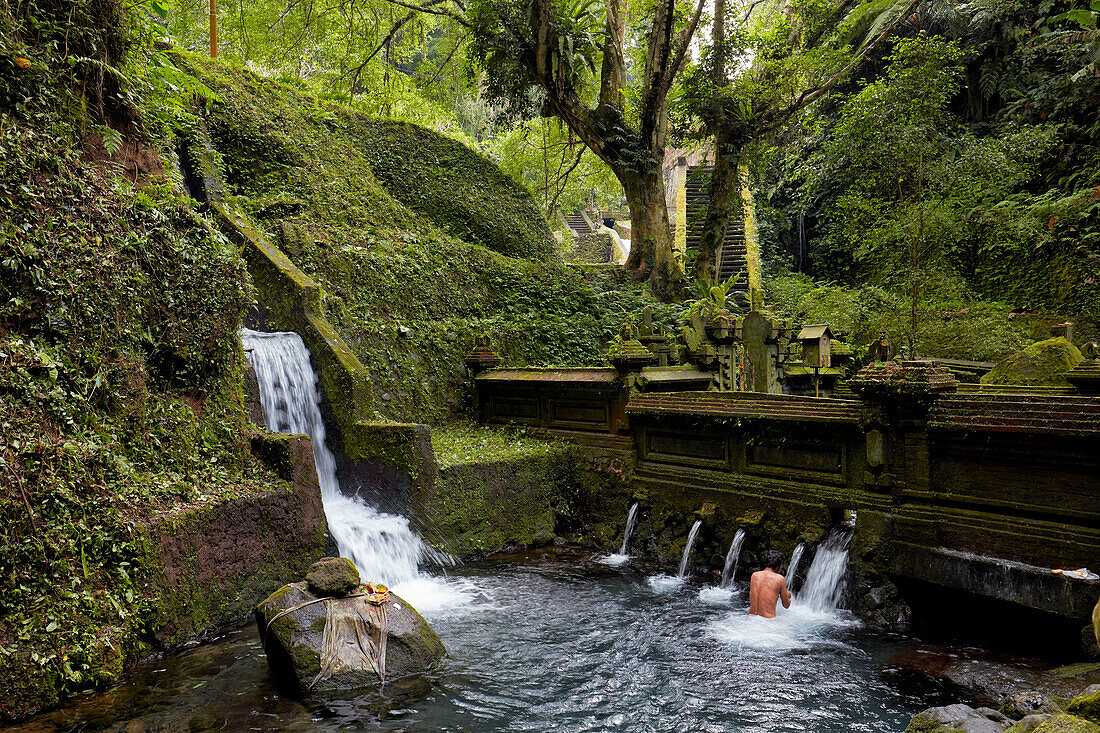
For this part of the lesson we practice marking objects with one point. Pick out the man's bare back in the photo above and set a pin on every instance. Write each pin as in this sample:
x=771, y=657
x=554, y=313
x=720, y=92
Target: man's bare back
x=766, y=587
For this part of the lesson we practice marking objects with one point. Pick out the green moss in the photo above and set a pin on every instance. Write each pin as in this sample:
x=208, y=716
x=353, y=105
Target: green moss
x=1086, y=706
x=408, y=291
x=1042, y=364
x=925, y=723
x=465, y=443
x=1067, y=724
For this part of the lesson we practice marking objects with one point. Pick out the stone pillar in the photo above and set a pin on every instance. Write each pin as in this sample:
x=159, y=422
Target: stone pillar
x=765, y=338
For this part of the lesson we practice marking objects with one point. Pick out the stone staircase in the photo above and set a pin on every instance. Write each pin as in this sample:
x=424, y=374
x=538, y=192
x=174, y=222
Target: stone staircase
x=732, y=257
x=578, y=224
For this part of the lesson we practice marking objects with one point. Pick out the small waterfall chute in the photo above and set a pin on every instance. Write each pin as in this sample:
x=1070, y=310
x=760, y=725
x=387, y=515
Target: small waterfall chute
x=383, y=546
x=792, y=570
x=825, y=579
x=631, y=518
x=729, y=570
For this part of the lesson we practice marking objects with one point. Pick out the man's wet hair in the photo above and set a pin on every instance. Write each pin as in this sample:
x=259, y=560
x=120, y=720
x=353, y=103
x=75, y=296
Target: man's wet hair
x=773, y=559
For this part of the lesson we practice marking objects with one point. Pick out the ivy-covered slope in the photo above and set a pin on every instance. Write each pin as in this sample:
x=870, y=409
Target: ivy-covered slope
x=408, y=291
x=120, y=370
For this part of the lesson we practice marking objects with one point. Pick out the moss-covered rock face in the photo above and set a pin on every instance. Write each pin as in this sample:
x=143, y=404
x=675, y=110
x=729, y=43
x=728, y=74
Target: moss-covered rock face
x=1043, y=364
x=1086, y=706
x=332, y=576
x=408, y=292
x=1066, y=724
x=461, y=192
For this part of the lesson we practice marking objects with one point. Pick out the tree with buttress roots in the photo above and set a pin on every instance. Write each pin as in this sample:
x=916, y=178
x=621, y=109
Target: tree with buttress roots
x=573, y=61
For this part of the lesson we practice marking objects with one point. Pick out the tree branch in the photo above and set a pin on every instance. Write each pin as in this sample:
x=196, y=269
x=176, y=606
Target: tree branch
x=429, y=7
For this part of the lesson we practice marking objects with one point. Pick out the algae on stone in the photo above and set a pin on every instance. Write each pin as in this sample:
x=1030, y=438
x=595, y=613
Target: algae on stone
x=1043, y=364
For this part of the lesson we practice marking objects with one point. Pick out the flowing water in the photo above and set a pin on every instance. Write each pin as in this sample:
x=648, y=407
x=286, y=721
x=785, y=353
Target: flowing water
x=729, y=570
x=824, y=584
x=545, y=640
x=550, y=640
x=621, y=556
x=682, y=572
x=796, y=558
x=381, y=545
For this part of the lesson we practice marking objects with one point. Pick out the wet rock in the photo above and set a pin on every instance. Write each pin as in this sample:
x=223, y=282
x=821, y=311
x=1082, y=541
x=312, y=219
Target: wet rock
x=327, y=644
x=1086, y=706
x=333, y=576
x=1067, y=724
x=953, y=718
x=1030, y=722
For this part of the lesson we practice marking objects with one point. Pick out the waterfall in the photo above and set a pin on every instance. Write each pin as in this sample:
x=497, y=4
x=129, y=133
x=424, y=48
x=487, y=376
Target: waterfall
x=631, y=517
x=729, y=570
x=825, y=578
x=796, y=558
x=687, y=550
x=381, y=545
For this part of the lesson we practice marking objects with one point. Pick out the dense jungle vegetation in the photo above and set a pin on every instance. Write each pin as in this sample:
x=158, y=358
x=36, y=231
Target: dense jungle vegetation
x=923, y=166
x=929, y=161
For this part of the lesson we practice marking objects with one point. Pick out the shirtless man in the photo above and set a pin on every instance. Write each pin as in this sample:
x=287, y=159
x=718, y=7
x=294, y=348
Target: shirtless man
x=767, y=586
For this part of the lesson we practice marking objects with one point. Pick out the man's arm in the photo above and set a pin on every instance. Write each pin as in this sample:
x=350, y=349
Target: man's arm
x=785, y=595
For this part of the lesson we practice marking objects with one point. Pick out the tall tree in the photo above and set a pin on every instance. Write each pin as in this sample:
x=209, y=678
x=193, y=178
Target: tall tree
x=545, y=53
x=800, y=52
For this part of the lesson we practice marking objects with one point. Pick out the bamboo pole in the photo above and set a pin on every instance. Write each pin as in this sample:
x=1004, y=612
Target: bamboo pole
x=213, y=29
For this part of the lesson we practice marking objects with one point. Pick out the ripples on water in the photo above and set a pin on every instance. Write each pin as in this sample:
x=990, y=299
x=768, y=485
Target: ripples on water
x=562, y=644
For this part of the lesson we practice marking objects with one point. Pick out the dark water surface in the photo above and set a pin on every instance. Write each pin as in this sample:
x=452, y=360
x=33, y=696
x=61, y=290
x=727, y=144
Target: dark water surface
x=549, y=642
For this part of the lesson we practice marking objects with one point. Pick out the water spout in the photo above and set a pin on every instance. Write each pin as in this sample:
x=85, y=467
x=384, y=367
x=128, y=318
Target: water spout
x=631, y=517
x=825, y=579
x=729, y=570
x=687, y=550
x=792, y=569
x=381, y=545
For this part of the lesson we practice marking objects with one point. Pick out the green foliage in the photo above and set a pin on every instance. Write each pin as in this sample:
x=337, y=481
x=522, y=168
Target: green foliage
x=389, y=218
x=952, y=323
x=119, y=364
x=559, y=170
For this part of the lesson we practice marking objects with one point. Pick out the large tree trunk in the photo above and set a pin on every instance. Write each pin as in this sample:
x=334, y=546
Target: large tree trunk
x=724, y=203
x=651, y=254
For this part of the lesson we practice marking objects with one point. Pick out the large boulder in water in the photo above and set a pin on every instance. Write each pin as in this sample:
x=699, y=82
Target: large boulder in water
x=958, y=718
x=328, y=643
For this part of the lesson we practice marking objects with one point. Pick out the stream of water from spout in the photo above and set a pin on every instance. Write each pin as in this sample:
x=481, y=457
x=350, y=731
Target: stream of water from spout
x=631, y=518
x=825, y=580
x=796, y=558
x=682, y=572
x=729, y=570
x=381, y=545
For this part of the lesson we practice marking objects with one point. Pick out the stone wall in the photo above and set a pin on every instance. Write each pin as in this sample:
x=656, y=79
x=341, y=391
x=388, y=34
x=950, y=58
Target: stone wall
x=209, y=565
x=983, y=494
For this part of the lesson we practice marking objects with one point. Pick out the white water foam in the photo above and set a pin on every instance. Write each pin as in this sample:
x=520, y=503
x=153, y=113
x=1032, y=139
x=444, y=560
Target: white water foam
x=792, y=629
x=614, y=560
x=714, y=595
x=664, y=583
x=381, y=545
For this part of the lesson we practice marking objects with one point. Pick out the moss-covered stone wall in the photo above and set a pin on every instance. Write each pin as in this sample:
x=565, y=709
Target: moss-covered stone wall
x=412, y=263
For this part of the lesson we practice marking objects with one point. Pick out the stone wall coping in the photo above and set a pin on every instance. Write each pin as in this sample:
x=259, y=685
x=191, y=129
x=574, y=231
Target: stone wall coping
x=603, y=375
x=747, y=405
x=1017, y=413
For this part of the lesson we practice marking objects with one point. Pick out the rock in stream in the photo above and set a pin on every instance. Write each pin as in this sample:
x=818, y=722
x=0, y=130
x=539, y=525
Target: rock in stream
x=330, y=633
